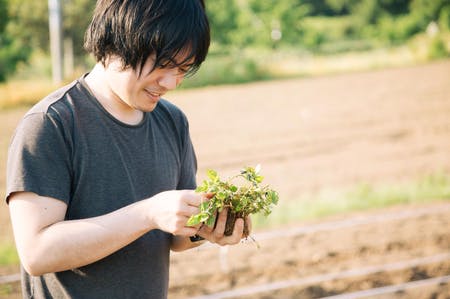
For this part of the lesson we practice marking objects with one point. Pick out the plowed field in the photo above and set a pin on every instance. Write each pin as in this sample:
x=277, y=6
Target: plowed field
x=359, y=252
x=327, y=132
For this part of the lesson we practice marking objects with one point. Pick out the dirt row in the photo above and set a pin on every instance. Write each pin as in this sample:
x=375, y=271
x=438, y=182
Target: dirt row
x=200, y=272
x=311, y=134
x=320, y=255
x=328, y=132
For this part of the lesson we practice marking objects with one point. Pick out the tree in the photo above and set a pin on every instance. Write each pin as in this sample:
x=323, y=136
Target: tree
x=77, y=16
x=12, y=51
x=284, y=16
x=3, y=15
x=341, y=7
x=223, y=18
x=29, y=22
x=429, y=10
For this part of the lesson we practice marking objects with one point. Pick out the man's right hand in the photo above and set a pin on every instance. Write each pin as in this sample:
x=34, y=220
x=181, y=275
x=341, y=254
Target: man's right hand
x=170, y=210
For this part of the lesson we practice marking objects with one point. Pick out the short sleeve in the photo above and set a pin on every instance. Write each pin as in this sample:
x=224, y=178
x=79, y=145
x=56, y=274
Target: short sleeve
x=188, y=162
x=39, y=158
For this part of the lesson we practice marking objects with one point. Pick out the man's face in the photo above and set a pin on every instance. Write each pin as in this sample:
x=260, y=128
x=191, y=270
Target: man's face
x=141, y=90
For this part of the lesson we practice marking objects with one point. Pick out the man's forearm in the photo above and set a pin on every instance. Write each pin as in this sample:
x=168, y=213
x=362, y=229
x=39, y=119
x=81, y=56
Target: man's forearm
x=70, y=244
x=180, y=243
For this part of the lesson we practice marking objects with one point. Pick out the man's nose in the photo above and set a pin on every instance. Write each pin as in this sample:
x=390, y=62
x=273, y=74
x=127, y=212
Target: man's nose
x=169, y=79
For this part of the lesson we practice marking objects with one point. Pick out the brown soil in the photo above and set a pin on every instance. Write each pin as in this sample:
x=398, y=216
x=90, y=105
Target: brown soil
x=211, y=270
x=231, y=220
x=322, y=133
x=331, y=132
x=326, y=132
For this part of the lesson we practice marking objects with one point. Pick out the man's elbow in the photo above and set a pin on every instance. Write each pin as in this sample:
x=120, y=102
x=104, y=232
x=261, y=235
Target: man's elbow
x=34, y=264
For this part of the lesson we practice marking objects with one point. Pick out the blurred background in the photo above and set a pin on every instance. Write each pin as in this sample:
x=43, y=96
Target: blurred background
x=345, y=105
x=251, y=39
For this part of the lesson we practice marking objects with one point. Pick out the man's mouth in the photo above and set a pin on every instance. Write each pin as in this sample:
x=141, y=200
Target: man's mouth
x=155, y=96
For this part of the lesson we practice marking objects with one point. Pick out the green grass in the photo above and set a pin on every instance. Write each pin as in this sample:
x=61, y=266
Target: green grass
x=8, y=254
x=5, y=289
x=18, y=93
x=363, y=197
x=255, y=64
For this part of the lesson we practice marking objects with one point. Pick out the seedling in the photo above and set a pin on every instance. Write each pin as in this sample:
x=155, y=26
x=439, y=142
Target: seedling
x=242, y=200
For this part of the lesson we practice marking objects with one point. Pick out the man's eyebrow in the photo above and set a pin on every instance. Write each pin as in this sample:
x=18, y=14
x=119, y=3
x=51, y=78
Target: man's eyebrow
x=184, y=64
x=173, y=63
x=187, y=65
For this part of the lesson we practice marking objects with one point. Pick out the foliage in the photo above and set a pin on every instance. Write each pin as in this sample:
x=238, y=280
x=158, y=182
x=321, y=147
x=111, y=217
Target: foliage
x=444, y=18
x=77, y=16
x=223, y=18
x=325, y=30
x=437, y=49
x=283, y=16
x=368, y=11
x=398, y=30
x=316, y=26
x=428, y=9
x=233, y=67
x=29, y=22
x=8, y=254
x=12, y=51
x=250, y=198
x=3, y=14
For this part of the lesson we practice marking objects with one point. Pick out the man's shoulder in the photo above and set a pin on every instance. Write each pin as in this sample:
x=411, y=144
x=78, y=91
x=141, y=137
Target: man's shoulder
x=165, y=104
x=172, y=111
x=57, y=99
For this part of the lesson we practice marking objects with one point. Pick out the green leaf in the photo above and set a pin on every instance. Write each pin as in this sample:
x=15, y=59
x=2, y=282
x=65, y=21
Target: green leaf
x=248, y=198
x=273, y=196
x=198, y=218
x=204, y=206
x=204, y=217
x=211, y=220
x=259, y=178
x=194, y=220
x=212, y=175
x=200, y=189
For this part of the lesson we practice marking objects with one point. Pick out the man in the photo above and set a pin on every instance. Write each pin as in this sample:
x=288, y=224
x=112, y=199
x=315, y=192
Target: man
x=101, y=173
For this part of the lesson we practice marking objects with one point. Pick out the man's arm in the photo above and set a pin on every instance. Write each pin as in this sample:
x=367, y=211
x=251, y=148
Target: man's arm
x=48, y=243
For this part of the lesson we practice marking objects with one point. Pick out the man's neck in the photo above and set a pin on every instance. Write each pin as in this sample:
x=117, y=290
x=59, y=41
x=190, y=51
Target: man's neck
x=98, y=84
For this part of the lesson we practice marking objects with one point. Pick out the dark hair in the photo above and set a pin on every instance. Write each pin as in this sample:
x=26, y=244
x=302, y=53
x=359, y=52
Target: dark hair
x=136, y=29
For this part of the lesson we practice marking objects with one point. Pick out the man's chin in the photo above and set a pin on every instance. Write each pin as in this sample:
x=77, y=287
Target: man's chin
x=148, y=108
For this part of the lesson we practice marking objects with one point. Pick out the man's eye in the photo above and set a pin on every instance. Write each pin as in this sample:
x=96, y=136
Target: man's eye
x=183, y=70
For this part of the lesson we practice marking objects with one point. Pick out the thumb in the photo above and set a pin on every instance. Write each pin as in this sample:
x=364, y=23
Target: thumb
x=209, y=195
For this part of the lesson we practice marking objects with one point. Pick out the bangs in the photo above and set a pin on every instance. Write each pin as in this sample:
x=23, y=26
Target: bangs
x=181, y=40
x=175, y=32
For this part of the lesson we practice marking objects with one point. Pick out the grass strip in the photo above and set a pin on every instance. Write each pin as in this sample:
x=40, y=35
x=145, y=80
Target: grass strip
x=362, y=197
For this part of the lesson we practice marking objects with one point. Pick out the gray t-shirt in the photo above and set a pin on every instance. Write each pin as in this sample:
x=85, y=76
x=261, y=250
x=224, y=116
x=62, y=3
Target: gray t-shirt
x=70, y=148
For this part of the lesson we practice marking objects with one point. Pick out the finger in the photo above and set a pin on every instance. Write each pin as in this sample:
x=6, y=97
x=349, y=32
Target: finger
x=209, y=195
x=197, y=227
x=192, y=198
x=221, y=223
x=188, y=211
x=248, y=220
x=238, y=231
x=207, y=229
x=203, y=198
x=236, y=236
